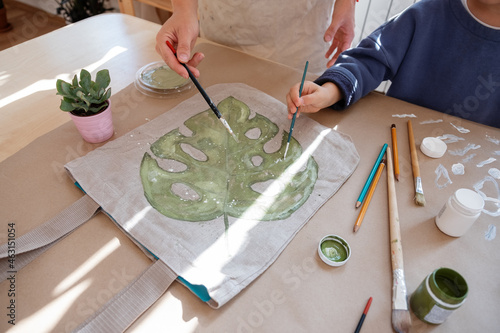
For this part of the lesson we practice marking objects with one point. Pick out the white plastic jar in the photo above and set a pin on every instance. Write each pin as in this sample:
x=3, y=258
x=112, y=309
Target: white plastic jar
x=459, y=213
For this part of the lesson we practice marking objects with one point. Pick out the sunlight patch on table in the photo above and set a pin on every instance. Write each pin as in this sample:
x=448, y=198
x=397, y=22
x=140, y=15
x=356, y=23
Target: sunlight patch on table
x=87, y=266
x=47, y=85
x=47, y=318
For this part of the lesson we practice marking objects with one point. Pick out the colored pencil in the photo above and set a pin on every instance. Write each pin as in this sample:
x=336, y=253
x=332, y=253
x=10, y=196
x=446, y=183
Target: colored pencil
x=373, y=185
x=419, y=192
x=365, y=312
x=295, y=114
x=395, y=150
x=370, y=177
x=401, y=319
x=205, y=96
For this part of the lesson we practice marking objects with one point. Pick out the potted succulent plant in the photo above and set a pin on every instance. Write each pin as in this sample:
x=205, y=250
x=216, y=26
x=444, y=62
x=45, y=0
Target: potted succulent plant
x=77, y=10
x=4, y=24
x=88, y=104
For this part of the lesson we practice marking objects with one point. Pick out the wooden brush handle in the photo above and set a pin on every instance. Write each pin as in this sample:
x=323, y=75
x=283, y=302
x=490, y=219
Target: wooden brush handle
x=395, y=234
x=413, y=151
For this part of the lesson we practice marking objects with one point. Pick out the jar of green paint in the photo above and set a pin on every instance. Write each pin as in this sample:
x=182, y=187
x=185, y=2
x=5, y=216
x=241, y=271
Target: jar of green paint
x=442, y=292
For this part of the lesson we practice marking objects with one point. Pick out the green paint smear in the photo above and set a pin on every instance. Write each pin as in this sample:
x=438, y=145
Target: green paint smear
x=220, y=176
x=333, y=250
x=163, y=78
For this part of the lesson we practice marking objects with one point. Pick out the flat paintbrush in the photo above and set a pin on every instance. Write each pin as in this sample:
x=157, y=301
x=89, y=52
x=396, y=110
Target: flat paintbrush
x=419, y=192
x=205, y=96
x=297, y=111
x=401, y=319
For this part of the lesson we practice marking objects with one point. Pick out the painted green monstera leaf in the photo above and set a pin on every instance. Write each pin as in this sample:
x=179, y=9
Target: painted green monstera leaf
x=206, y=174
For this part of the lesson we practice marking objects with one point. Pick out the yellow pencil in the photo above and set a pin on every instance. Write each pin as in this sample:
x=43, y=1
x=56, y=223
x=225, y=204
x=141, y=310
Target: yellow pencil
x=362, y=213
x=395, y=150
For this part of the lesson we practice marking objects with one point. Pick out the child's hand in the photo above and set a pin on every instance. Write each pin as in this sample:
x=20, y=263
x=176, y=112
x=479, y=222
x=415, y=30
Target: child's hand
x=313, y=99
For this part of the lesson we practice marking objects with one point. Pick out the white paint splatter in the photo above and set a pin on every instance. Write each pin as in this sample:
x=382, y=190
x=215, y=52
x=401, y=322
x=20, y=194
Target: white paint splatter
x=488, y=161
x=404, y=116
x=468, y=158
x=460, y=128
x=497, y=152
x=458, y=169
x=431, y=121
x=450, y=138
x=491, y=233
x=494, y=172
x=441, y=172
x=494, y=195
x=462, y=152
x=492, y=139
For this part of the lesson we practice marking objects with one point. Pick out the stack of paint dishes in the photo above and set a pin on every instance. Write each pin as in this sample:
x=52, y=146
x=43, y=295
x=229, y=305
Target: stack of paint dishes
x=158, y=80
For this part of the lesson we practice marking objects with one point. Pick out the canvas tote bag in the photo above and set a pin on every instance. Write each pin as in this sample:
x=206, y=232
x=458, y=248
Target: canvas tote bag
x=210, y=212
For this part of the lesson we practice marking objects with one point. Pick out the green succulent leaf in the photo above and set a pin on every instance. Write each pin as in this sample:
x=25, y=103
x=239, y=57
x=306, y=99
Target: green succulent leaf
x=208, y=174
x=85, y=96
x=63, y=88
x=66, y=106
x=100, y=93
x=102, y=79
x=85, y=80
x=107, y=95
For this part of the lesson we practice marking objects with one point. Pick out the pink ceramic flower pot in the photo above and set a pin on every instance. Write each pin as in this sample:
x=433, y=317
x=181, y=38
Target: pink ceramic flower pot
x=96, y=128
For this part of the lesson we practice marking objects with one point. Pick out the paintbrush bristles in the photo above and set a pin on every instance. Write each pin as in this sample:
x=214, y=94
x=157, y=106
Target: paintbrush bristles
x=401, y=321
x=419, y=192
x=420, y=199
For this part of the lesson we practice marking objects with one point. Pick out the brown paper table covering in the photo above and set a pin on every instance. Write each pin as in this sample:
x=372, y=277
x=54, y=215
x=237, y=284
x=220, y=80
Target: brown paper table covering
x=298, y=293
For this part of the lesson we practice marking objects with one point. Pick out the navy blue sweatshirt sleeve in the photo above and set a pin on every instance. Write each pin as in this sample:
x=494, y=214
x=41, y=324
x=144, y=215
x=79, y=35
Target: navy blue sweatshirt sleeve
x=435, y=54
x=377, y=58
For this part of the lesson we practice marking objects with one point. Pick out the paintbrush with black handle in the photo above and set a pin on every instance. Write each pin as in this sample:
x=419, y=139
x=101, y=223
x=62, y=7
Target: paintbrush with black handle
x=205, y=96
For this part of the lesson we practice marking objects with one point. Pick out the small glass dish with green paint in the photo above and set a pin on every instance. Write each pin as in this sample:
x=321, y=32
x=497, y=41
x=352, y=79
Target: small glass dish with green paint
x=158, y=80
x=334, y=250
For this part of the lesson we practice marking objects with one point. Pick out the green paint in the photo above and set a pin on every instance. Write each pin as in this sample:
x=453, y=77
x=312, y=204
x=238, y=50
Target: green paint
x=223, y=177
x=444, y=284
x=334, y=250
x=448, y=286
x=163, y=78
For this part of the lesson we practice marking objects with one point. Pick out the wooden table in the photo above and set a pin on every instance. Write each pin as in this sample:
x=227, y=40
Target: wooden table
x=298, y=293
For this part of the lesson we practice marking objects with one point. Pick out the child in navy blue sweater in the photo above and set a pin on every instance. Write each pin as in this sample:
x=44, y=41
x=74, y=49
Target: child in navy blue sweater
x=440, y=54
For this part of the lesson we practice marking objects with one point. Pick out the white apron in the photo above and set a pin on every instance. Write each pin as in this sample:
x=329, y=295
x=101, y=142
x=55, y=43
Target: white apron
x=284, y=31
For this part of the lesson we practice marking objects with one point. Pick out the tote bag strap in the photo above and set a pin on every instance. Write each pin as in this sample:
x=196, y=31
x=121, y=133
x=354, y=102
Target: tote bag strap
x=126, y=306
x=15, y=254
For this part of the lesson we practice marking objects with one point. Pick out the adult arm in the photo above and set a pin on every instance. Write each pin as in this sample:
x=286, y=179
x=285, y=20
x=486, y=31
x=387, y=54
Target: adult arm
x=341, y=29
x=358, y=70
x=377, y=58
x=182, y=30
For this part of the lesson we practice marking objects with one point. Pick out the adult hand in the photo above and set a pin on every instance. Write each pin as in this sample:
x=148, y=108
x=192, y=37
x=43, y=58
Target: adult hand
x=314, y=97
x=341, y=29
x=181, y=30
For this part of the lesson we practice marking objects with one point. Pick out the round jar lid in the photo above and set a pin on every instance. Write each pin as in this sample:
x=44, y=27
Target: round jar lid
x=469, y=200
x=158, y=80
x=433, y=147
x=334, y=250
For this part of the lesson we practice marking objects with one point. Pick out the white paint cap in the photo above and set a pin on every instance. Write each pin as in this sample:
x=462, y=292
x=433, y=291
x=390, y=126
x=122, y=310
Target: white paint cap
x=433, y=147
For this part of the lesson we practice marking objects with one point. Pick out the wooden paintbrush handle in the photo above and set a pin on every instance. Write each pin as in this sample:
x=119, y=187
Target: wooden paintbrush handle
x=413, y=151
x=395, y=233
